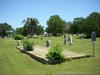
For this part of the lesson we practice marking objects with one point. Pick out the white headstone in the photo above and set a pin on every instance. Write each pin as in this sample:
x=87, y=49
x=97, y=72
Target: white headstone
x=71, y=40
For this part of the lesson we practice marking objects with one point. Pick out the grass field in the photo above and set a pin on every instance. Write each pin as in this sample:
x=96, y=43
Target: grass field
x=13, y=62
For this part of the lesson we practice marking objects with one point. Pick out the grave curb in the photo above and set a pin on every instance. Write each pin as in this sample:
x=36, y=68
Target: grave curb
x=47, y=61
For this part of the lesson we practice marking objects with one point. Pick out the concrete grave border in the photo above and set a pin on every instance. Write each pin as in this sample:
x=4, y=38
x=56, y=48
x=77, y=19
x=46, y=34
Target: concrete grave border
x=47, y=61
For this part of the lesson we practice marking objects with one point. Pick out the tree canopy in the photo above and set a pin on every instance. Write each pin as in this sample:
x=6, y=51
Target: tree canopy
x=30, y=27
x=87, y=25
x=55, y=25
x=5, y=29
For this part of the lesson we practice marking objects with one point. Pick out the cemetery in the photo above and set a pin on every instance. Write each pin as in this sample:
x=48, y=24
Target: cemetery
x=50, y=37
x=23, y=59
x=39, y=53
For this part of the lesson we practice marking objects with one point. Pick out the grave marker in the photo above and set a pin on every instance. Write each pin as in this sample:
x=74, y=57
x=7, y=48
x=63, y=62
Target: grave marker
x=24, y=47
x=18, y=42
x=64, y=36
x=71, y=40
x=65, y=41
x=93, y=37
x=48, y=43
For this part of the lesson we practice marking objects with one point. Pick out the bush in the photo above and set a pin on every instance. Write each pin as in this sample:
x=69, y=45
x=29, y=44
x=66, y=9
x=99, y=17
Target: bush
x=18, y=37
x=55, y=53
x=29, y=45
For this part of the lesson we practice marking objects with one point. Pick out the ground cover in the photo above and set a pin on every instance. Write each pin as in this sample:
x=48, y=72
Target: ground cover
x=13, y=62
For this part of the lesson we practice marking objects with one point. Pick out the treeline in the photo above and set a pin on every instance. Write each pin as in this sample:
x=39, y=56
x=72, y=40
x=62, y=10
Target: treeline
x=55, y=26
x=79, y=25
x=86, y=25
x=31, y=27
x=6, y=30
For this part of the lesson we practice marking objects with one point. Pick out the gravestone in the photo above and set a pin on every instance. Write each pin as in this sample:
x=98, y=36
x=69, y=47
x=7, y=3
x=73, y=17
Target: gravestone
x=65, y=41
x=64, y=36
x=48, y=43
x=24, y=47
x=77, y=34
x=58, y=34
x=71, y=40
x=93, y=37
x=34, y=35
x=18, y=42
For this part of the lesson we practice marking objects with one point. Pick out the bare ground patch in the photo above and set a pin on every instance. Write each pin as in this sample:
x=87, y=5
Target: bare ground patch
x=39, y=53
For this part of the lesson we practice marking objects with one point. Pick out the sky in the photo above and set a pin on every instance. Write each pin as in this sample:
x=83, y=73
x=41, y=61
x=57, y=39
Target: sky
x=15, y=11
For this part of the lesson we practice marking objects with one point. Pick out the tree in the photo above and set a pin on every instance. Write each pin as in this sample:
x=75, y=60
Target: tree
x=87, y=25
x=92, y=23
x=19, y=30
x=30, y=27
x=22, y=31
x=5, y=29
x=30, y=24
x=39, y=30
x=55, y=25
x=67, y=27
x=77, y=26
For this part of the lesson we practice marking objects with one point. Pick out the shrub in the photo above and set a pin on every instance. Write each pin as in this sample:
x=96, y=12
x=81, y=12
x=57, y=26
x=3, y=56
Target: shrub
x=55, y=53
x=18, y=37
x=29, y=45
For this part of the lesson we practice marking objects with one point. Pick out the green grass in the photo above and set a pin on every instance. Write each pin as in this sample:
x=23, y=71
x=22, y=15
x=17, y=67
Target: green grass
x=13, y=62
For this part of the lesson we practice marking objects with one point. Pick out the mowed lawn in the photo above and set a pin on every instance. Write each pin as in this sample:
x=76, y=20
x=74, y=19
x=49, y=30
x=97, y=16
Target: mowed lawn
x=13, y=62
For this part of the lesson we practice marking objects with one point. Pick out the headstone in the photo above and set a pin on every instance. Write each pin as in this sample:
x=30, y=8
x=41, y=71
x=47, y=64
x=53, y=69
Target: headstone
x=68, y=38
x=65, y=41
x=58, y=34
x=64, y=36
x=93, y=36
x=24, y=47
x=48, y=43
x=77, y=34
x=18, y=42
x=34, y=35
x=71, y=40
